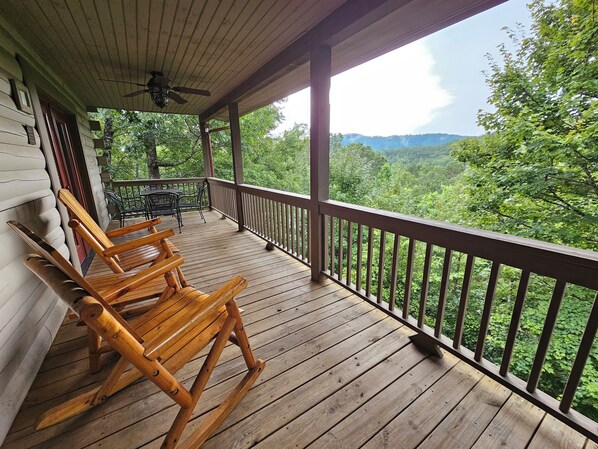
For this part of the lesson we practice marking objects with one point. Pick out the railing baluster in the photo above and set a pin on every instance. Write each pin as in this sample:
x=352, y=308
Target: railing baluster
x=256, y=217
x=514, y=326
x=340, y=249
x=289, y=219
x=349, y=250
x=326, y=243
x=260, y=216
x=297, y=245
x=368, y=273
x=271, y=220
x=278, y=224
x=381, y=256
x=308, y=243
x=359, y=256
x=446, y=272
x=425, y=285
x=408, y=277
x=549, y=323
x=494, y=271
x=303, y=234
x=394, y=272
x=332, y=246
x=463, y=301
x=585, y=346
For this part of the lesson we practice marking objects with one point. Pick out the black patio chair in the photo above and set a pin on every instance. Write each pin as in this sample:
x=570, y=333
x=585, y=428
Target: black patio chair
x=132, y=207
x=164, y=203
x=194, y=200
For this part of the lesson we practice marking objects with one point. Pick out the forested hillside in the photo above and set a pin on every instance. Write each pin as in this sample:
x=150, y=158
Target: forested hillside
x=379, y=143
x=533, y=174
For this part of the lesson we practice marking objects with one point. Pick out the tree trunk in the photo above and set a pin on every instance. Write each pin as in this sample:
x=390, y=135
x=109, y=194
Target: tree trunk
x=151, y=154
x=108, y=139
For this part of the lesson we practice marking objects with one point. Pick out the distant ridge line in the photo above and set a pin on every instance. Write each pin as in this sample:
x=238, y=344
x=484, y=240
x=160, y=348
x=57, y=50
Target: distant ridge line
x=379, y=143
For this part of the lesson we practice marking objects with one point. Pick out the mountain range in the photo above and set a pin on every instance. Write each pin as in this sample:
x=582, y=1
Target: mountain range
x=379, y=143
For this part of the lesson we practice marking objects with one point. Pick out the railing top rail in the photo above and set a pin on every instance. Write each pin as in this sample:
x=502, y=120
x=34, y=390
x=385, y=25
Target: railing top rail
x=139, y=182
x=222, y=182
x=572, y=265
x=293, y=199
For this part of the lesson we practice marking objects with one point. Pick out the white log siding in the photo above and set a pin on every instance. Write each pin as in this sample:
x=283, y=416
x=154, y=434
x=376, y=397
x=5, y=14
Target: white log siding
x=30, y=314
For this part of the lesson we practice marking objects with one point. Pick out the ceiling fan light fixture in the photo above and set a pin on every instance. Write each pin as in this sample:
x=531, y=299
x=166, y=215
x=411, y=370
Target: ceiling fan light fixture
x=159, y=95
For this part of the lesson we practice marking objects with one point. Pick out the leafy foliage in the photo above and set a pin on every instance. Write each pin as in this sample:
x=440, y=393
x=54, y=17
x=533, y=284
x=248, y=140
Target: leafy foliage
x=535, y=172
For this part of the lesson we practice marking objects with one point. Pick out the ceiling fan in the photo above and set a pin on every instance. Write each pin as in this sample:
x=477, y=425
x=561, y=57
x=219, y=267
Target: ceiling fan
x=160, y=91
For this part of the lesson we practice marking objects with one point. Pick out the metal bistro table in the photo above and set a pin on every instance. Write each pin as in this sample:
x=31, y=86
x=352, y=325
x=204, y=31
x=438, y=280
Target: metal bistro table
x=161, y=202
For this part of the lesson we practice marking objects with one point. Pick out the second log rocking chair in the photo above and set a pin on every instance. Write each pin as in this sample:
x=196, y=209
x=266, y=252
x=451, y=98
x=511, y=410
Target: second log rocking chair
x=157, y=344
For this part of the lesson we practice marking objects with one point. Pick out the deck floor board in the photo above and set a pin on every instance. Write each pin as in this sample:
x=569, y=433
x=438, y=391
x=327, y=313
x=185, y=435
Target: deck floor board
x=339, y=372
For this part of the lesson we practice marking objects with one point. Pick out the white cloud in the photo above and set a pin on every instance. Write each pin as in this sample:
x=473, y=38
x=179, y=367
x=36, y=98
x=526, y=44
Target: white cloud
x=393, y=94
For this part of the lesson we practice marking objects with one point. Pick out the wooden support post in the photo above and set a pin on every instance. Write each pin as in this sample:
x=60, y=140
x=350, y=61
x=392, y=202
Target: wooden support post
x=320, y=58
x=208, y=161
x=235, y=138
x=206, y=145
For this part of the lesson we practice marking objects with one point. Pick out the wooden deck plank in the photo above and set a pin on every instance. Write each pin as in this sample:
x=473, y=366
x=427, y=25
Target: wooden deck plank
x=553, y=433
x=461, y=428
x=339, y=372
x=314, y=409
x=513, y=426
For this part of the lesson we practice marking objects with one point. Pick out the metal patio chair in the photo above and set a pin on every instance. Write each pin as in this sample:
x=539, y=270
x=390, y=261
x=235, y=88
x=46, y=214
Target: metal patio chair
x=164, y=204
x=126, y=209
x=194, y=200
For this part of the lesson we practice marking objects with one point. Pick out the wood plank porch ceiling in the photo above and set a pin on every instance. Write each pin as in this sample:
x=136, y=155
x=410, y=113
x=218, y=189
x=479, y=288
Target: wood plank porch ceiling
x=339, y=373
x=216, y=45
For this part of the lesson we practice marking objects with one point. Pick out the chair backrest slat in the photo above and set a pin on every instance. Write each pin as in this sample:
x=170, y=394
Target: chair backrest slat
x=78, y=212
x=57, y=260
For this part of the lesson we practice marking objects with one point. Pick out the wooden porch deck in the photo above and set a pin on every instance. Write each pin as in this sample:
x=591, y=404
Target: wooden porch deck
x=339, y=373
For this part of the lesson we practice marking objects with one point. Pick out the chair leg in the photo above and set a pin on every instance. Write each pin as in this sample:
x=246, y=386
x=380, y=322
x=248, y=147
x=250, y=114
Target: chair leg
x=217, y=416
x=94, y=341
x=199, y=384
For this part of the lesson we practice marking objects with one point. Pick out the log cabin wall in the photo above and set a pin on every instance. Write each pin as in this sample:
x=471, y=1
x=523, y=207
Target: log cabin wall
x=30, y=314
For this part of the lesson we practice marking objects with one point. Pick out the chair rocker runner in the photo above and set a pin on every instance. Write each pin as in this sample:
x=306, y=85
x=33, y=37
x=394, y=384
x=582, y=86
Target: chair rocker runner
x=157, y=344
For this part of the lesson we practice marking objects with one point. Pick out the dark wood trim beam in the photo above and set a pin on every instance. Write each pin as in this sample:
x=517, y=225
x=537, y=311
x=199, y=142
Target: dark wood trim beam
x=320, y=67
x=348, y=19
x=235, y=138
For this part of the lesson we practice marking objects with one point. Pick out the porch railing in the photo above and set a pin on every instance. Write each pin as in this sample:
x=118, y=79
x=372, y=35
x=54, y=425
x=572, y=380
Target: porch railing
x=393, y=261
x=222, y=197
x=280, y=218
x=444, y=281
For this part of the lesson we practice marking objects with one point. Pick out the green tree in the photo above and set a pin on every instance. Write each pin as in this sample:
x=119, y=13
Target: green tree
x=142, y=144
x=535, y=173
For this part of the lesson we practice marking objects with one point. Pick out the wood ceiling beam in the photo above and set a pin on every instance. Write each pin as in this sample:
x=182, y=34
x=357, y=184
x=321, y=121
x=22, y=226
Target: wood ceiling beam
x=350, y=18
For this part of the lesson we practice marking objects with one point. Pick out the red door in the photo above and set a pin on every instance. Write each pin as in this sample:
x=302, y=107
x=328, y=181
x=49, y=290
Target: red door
x=66, y=161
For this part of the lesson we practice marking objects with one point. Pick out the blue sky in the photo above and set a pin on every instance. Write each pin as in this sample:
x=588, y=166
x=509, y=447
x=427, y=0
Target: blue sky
x=432, y=85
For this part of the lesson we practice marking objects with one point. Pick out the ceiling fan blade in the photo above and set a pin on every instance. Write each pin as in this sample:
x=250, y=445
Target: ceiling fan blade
x=190, y=90
x=177, y=97
x=138, y=92
x=119, y=81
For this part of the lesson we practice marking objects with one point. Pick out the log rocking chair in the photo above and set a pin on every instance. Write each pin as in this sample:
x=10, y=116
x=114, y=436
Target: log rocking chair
x=157, y=344
x=123, y=259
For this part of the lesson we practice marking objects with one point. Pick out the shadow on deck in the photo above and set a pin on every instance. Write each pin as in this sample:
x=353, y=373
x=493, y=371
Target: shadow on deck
x=339, y=373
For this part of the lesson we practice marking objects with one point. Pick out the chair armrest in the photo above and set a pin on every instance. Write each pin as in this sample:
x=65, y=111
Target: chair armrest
x=191, y=315
x=142, y=277
x=133, y=244
x=134, y=227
